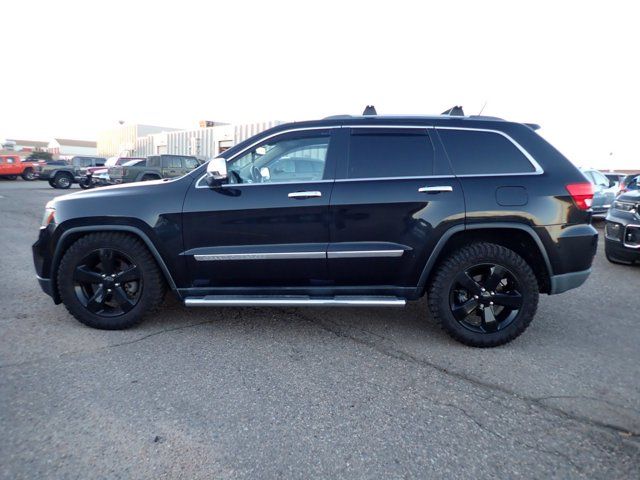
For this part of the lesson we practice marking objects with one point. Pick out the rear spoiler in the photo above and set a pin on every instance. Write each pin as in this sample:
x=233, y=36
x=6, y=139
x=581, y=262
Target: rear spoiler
x=533, y=126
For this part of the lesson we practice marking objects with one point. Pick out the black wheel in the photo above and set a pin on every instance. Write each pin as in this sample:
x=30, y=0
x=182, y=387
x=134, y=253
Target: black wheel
x=29, y=174
x=51, y=184
x=62, y=180
x=484, y=295
x=109, y=281
x=85, y=183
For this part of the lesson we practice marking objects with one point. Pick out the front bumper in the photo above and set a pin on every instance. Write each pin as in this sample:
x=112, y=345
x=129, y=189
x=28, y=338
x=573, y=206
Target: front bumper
x=42, y=259
x=568, y=281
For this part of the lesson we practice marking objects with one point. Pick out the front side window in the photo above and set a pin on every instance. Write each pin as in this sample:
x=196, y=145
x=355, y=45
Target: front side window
x=190, y=163
x=296, y=157
x=483, y=153
x=600, y=179
x=171, y=162
x=376, y=153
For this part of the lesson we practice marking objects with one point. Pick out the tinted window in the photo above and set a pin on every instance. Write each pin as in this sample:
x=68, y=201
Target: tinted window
x=153, y=161
x=600, y=179
x=486, y=153
x=375, y=153
x=296, y=157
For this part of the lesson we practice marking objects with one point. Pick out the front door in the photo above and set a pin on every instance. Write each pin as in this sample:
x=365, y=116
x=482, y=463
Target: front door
x=390, y=204
x=268, y=226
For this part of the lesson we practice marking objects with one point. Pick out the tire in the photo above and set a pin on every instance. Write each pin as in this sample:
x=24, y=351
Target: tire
x=85, y=183
x=28, y=175
x=83, y=284
x=495, y=306
x=62, y=180
x=51, y=184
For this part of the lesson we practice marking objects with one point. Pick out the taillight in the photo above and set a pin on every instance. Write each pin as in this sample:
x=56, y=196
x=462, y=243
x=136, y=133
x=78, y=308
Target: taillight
x=582, y=194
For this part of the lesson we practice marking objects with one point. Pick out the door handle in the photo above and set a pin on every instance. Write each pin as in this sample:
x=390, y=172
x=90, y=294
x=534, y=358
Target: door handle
x=439, y=189
x=311, y=194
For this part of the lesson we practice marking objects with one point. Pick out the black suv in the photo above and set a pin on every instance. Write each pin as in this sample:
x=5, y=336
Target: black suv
x=480, y=214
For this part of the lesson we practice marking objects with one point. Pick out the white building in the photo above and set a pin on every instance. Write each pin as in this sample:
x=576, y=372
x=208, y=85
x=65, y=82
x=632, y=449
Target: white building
x=66, y=148
x=205, y=142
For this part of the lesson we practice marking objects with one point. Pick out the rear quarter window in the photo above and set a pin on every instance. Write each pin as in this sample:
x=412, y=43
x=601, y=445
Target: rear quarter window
x=483, y=153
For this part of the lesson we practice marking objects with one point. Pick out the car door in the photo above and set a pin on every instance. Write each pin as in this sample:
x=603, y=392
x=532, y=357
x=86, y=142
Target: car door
x=265, y=227
x=392, y=201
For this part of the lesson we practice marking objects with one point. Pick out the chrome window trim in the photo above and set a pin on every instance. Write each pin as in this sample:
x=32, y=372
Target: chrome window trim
x=241, y=152
x=624, y=236
x=538, y=170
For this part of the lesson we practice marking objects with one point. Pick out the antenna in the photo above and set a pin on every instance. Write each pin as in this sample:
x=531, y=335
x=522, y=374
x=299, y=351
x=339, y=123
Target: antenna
x=482, y=109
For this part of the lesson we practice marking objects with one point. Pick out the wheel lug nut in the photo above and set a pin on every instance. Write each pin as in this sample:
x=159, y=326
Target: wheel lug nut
x=483, y=289
x=476, y=297
x=117, y=284
x=490, y=303
x=104, y=276
x=108, y=290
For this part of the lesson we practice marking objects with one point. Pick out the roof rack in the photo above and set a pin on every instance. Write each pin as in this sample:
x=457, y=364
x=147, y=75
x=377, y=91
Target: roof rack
x=369, y=110
x=454, y=112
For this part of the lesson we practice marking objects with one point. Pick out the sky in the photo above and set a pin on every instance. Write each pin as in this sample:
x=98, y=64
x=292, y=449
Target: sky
x=75, y=68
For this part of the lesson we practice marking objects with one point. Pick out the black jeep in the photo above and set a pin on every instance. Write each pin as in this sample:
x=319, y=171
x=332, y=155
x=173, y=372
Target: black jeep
x=478, y=213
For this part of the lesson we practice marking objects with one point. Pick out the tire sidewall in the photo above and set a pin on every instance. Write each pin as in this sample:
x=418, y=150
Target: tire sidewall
x=59, y=177
x=528, y=289
x=128, y=246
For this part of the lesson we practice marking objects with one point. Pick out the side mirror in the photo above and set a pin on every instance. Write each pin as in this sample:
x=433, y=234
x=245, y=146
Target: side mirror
x=216, y=171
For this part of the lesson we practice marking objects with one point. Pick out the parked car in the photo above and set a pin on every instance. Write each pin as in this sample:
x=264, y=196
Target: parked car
x=99, y=176
x=156, y=167
x=630, y=182
x=11, y=167
x=604, y=191
x=615, y=180
x=622, y=229
x=480, y=214
x=63, y=176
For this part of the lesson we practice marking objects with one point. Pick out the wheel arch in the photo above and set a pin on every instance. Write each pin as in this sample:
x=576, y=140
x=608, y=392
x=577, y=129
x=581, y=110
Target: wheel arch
x=522, y=239
x=71, y=235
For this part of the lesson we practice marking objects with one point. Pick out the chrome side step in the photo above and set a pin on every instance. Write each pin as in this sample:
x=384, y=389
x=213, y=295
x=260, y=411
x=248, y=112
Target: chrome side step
x=292, y=301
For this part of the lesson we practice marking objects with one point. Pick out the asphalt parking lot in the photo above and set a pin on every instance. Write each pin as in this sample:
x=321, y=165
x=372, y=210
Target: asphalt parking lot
x=301, y=393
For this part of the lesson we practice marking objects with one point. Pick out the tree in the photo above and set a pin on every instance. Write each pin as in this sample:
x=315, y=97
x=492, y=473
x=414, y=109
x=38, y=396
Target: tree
x=40, y=156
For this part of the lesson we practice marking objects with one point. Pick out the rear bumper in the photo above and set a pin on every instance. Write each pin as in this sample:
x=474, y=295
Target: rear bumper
x=568, y=281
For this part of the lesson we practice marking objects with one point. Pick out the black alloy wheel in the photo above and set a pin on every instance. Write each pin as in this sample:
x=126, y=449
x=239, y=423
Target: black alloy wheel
x=485, y=298
x=107, y=283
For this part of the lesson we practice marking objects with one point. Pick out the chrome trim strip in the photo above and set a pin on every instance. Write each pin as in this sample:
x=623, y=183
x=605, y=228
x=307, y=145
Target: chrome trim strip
x=624, y=237
x=289, y=130
x=532, y=161
x=370, y=179
x=258, y=256
x=212, y=301
x=365, y=253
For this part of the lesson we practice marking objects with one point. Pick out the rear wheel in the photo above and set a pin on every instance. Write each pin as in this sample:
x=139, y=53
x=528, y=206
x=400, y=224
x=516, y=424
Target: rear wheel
x=85, y=183
x=29, y=174
x=484, y=295
x=62, y=180
x=109, y=281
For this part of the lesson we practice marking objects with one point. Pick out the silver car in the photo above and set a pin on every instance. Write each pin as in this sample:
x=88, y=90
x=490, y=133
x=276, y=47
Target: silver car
x=604, y=191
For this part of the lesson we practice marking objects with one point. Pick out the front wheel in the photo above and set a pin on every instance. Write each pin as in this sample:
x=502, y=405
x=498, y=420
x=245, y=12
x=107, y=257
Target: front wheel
x=62, y=180
x=484, y=295
x=109, y=280
x=85, y=183
x=29, y=175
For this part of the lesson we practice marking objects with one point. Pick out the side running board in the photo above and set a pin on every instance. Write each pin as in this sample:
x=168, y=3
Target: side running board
x=292, y=301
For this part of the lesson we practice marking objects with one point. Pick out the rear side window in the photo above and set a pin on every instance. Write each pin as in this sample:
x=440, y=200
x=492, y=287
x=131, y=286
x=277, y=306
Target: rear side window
x=483, y=153
x=376, y=152
x=190, y=162
x=171, y=162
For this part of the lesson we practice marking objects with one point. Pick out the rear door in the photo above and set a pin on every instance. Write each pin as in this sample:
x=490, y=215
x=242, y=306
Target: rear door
x=393, y=199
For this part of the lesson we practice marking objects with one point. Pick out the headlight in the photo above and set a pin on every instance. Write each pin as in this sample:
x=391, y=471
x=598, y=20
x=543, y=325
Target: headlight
x=625, y=206
x=49, y=214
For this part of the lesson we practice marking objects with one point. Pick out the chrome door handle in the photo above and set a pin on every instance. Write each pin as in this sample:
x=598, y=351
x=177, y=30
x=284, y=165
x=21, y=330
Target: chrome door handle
x=439, y=189
x=311, y=194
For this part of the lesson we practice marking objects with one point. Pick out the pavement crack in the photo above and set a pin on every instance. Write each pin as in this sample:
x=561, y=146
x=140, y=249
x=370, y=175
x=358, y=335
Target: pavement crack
x=337, y=330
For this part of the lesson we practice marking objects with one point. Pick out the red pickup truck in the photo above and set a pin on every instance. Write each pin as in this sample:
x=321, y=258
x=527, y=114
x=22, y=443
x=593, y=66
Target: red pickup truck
x=11, y=167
